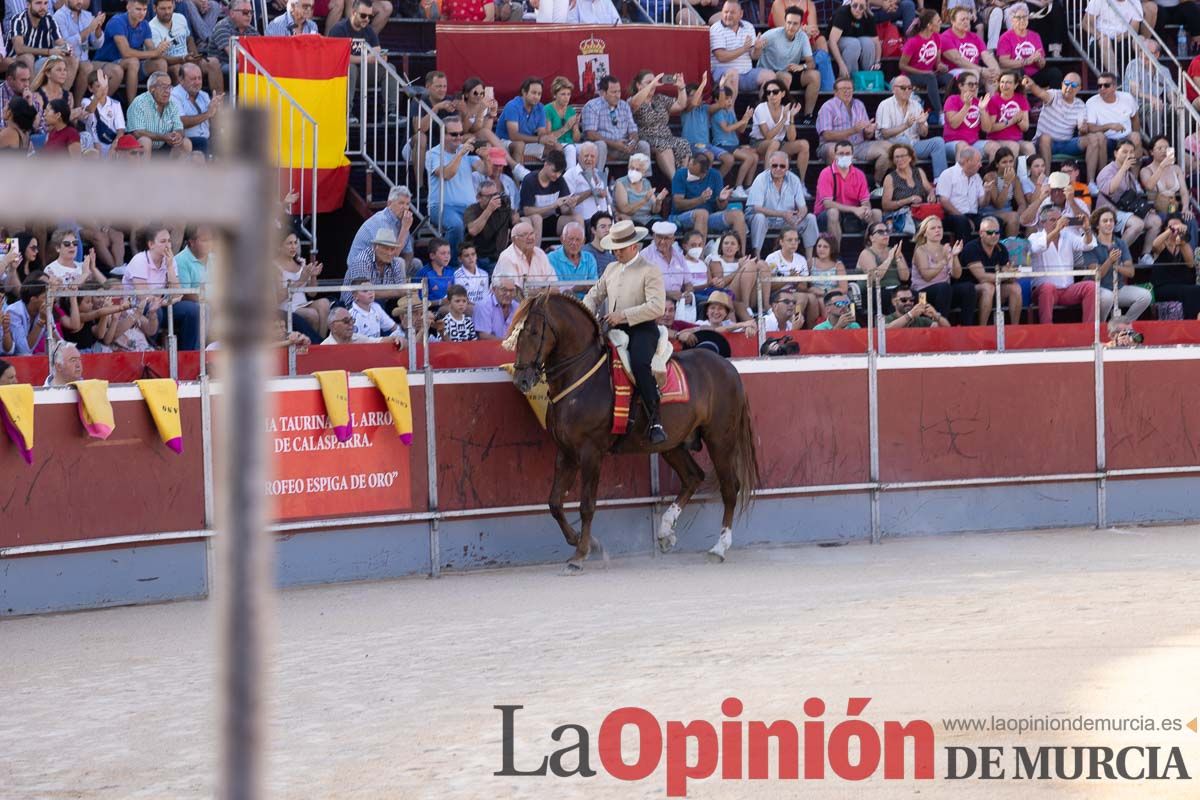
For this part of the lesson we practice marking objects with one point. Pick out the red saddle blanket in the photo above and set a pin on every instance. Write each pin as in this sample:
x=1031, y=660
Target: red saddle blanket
x=674, y=390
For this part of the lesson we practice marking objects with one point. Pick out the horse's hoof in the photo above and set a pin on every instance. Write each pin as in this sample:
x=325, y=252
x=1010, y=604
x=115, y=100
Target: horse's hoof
x=666, y=543
x=572, y=569
x=715, y=556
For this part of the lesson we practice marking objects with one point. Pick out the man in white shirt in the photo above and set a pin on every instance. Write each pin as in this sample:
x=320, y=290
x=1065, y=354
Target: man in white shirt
x=900, y=120
x=782, y=316
x=959, y=189
x=1054, y=249
x=1114, y=113
x=167, y=26
x=592, y=12
x=732, y=41
x=196, y=108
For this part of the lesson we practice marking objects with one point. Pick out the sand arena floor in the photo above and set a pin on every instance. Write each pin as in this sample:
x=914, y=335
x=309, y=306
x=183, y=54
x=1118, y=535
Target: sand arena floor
x=386, y=690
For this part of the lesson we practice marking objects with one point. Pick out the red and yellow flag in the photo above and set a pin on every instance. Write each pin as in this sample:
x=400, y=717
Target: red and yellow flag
x=312, y=70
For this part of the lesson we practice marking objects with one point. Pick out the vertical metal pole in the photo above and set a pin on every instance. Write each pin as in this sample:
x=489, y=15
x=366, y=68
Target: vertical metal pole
x=435, y=545
x=291, y=351
x=48, y=310
x=873, y=414
x=202, y=302
x=244, y=289
x=762, y=330
x=172, y=342
x=880, y=323
x=998, y=310
x=411, y=334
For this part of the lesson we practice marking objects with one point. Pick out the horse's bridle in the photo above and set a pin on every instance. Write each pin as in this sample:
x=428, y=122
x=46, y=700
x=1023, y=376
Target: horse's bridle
x=538, y=366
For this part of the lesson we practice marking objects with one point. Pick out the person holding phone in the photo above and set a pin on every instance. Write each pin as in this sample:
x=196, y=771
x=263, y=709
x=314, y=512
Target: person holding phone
x=839, y=313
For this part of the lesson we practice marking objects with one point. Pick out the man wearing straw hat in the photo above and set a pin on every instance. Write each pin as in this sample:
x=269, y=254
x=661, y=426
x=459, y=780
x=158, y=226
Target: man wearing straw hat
x=636, y=298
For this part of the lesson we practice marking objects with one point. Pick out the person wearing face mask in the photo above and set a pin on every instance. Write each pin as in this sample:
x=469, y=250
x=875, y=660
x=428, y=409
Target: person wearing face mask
x=635, y=195
x=843, y=199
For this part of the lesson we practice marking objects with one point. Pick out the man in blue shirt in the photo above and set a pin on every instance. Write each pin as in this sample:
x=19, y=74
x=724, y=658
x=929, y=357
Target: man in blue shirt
x=26, y=320
x=571, y=262
x=129, y=43
x=701, y=200
x=523, y=123
x=397, y=217
x=451, y=189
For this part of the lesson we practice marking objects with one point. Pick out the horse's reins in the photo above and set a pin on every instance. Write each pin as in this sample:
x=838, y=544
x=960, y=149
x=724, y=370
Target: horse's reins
x=549, y=373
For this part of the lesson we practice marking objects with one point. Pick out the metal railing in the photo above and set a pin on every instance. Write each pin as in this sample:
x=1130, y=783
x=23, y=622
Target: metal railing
x=381, y=100
x=172, y=345
x=876, y=325
x=1163, y=106
x=294, y=133
x=412, y=291
x=669, y=12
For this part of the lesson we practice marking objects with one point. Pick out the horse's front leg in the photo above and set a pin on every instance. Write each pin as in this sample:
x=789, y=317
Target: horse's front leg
x=589, y=462
x=566, y=465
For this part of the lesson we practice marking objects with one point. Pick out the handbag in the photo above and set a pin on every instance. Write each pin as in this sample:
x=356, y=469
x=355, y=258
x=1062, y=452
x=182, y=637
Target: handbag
x=869, y=80
x=1133, y=202
x=902, y=222
x=922, y=210
x=890, y=40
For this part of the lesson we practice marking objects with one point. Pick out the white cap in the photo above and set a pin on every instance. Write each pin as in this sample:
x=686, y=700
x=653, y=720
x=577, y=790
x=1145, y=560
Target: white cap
x=663, y=228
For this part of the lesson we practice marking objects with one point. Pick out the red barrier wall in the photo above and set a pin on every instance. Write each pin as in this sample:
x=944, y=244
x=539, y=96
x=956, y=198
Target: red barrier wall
x=83, y=488
x=986, y=422
x=939, y=419
x=1152, y=418
x=492, y=452
x=504, y=55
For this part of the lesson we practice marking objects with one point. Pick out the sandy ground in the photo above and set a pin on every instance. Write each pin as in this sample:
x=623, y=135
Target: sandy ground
x=386, y=690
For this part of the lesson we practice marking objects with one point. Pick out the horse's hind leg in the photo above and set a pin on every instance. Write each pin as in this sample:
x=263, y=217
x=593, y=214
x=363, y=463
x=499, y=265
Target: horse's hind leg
x=690, y=477
x=589, y=464
x=723, y=464
x=565, y=468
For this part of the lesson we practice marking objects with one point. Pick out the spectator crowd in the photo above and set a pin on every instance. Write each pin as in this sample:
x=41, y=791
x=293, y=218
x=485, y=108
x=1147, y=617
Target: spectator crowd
x=979, y=158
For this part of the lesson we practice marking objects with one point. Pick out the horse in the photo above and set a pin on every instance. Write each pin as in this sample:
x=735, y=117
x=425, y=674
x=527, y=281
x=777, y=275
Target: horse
x=554, y=335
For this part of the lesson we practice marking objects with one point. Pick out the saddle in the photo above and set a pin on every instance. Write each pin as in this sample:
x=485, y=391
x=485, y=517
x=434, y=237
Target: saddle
x=658, y=365
x=671, y=380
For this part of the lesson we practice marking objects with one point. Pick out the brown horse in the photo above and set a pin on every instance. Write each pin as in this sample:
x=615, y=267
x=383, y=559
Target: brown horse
x=557, y=336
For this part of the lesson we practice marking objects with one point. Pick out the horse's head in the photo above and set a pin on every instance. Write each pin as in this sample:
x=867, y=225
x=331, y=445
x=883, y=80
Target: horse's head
x=531, y=339
x=543, y=324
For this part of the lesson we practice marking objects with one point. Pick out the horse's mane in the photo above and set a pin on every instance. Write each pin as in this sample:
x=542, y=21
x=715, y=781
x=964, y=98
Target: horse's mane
x=548, y=298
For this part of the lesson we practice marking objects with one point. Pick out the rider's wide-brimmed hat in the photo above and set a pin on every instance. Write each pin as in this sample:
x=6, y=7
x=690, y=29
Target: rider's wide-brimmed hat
x=623, y=234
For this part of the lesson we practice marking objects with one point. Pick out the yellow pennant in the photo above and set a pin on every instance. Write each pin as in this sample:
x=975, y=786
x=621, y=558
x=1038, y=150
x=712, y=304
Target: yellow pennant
x=16, y=406
x=95, y=410
x=392, y=382
x=335, y=388
x=162, y=398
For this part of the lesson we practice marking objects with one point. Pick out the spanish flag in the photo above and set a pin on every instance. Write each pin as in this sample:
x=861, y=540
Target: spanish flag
x=335, y=390
x=162, y=398
x=16, y=408
x=312, y=70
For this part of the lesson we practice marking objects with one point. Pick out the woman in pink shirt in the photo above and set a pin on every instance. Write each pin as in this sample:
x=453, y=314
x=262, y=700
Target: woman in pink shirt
x=962, y=49
x=1021, y=48
x=962, y=117
x=921, y=60
x=1005, y=118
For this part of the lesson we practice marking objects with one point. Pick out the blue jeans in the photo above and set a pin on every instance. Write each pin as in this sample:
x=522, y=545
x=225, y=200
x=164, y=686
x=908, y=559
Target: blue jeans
x=716, y=221
x=452, y=222
x=187, y=324
x=934, y=149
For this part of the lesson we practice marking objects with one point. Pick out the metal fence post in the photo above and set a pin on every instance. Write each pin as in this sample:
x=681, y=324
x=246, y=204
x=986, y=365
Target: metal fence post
x=435, y=566
x=873, y=414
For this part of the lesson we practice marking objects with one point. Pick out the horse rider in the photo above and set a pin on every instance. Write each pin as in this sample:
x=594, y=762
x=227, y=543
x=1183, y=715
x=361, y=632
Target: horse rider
x=636, y=299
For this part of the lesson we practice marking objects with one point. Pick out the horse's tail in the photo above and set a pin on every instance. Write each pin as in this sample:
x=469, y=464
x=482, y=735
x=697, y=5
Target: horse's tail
x=745, y=458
